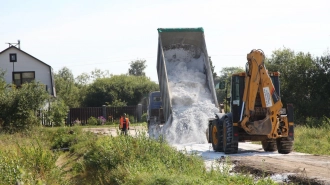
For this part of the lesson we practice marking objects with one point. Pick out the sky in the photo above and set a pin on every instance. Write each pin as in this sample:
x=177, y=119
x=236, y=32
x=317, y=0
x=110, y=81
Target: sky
x=84, y=35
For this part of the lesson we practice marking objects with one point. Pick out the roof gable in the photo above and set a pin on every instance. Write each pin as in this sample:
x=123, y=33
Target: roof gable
x=24, y=53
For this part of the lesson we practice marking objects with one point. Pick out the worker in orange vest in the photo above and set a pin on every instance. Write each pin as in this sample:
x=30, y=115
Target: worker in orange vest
x=124, y=124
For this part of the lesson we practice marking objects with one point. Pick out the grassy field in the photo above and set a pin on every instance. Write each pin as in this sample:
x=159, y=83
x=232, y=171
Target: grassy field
x=36, y=157
x=41, y=157
x=312, y=140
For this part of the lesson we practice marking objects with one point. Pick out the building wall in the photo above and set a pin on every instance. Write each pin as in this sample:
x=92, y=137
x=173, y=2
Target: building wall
x=25, y=63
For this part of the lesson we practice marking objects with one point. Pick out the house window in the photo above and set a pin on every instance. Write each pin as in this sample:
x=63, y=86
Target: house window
x=12, y=57
x=23, y=77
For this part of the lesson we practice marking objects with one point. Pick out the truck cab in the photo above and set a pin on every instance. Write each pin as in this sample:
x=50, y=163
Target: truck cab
x=155, y=114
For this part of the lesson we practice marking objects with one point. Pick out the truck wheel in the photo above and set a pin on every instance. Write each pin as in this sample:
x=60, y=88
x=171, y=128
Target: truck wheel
x=216, y=132
x=229, y=145
x=284, y=145
x=269, y=145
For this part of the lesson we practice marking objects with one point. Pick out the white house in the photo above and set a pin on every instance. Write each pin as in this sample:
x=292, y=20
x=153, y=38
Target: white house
x=22, y=67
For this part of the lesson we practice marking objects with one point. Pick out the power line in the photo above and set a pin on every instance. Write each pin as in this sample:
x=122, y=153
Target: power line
x=131, y=59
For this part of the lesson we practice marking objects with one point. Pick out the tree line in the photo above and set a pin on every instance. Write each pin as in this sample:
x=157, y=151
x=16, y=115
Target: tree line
x=99, y=87
x=20, y=108
x=304, y=82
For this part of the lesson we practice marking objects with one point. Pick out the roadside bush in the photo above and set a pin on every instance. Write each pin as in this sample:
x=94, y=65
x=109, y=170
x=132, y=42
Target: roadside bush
x=323, y=122
x=131, y=119
x=70, y=137
x=58, y=112
x=18, y=106
x=76, y=122
x=92, y=121
x=144, y=117
x=101, y=120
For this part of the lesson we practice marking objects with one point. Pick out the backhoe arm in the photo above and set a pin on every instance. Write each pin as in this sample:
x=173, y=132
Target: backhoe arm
x=257, y=80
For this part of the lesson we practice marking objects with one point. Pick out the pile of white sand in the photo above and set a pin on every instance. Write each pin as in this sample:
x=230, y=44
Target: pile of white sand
x=191, y=99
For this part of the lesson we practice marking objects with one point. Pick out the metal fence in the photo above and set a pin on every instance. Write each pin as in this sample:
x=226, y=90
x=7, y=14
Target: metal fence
x=111, y=114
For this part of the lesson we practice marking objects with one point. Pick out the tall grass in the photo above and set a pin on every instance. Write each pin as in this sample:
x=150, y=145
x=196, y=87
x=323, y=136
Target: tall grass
x=313, y=137
x=29, y=164
x=140, y=160
x=35, y=157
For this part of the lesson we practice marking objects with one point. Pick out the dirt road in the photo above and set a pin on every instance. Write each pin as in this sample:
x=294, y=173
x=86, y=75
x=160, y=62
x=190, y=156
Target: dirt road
x=295, y=167
x=301, y=168
x=114, y=131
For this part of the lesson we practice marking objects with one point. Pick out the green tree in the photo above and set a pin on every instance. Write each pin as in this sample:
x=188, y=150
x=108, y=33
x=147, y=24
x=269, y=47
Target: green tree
x=212, y=68
x=137, y=67
x=82, y=82
x=118, y=89
x=116, y=103
x=83, y=79
x=2, y=80
x=304, y=80
x=321, y=85
x=225, y=76
x=66, y=88
x=98, y=73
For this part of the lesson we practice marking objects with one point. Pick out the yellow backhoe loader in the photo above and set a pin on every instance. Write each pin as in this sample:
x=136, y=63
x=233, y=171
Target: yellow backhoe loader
x=257, y=113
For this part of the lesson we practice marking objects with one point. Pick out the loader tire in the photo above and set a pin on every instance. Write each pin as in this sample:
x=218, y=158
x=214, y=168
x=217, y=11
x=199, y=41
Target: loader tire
x=217, y=142
x=230, y=146
x=269, y=145
x=284, y=145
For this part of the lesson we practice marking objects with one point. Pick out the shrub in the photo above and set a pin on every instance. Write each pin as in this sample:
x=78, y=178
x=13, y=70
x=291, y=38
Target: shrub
x=58, y=112
x=144, y=117
x=18, y=106
x=92, y=121
x=131, y=119
x=101, y=120
x=323, y=122
x=76, y=122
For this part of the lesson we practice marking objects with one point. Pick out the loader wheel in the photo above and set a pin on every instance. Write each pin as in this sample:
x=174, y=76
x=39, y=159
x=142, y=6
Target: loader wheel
x=284, y=145
x=269, y=145
x=230, y=146
x=216, y=131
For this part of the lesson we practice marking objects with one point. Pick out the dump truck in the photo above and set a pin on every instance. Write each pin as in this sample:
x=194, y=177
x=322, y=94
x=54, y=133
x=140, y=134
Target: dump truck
x=191, y=39
x=256, y=111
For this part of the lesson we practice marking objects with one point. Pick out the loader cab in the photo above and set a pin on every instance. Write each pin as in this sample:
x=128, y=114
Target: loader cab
x=237, y=91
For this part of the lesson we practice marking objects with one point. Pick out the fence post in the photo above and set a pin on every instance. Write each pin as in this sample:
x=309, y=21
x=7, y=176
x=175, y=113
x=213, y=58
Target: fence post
x=104, y=111
x=68, y=119
x=139, y=112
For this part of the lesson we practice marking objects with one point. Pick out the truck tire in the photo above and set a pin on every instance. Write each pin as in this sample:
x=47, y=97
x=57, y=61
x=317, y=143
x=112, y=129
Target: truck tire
x=216, y=131
x=269, y=145
x=230, y=146
x=284, y=145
